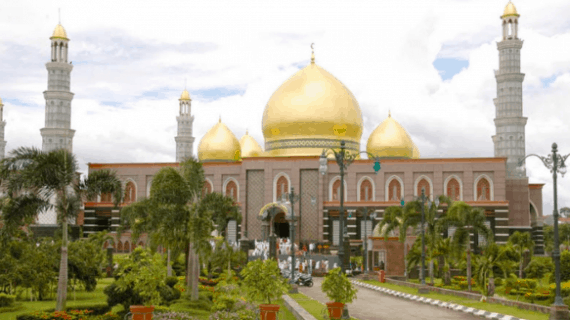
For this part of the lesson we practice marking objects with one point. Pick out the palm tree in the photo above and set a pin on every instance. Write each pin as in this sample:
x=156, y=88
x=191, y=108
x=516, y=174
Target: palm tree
x=443, y=248
x=521, y=242
x=494, y=256
x=466, y=219
x=47, y=175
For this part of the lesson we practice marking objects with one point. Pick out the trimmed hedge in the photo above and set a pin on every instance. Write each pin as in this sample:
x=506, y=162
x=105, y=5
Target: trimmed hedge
x=96, y=310
x=6, y=300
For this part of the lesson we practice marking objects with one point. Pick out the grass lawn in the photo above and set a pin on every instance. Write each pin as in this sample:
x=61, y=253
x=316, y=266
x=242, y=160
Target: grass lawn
x=314, y=307
x=82, y=298
x=505, y=310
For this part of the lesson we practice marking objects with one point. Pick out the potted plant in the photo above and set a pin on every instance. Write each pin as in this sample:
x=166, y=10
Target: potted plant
x=265, y=283
x=339, y=289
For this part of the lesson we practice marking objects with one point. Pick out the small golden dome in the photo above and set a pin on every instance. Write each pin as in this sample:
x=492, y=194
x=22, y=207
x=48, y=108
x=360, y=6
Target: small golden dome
x=59, y=33
x=1, y=104
x=249, y=147
x=219, y=144
x=310, y=111
x=390, y=139
x=185, y=95
x=510, y=10
x=416, y=152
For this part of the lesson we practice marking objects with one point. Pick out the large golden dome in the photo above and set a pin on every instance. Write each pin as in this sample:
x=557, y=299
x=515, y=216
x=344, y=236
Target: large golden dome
x=249, y=147
x=312, y=110
x=390, y=139
x=59, y=33
x=416, y=152
x=510, y=10
x=219, y=144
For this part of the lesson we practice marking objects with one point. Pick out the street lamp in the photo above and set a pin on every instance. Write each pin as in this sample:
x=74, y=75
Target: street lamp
x=372, y=216
x=343, y=159
x=554, y=162
x=292, y=199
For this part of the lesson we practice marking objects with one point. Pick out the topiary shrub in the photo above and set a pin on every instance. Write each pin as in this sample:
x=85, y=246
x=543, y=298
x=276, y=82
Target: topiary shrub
x=171, y=281
x=6, y=300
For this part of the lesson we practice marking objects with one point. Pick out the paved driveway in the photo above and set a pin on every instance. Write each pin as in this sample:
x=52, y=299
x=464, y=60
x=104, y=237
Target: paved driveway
x=370, y=305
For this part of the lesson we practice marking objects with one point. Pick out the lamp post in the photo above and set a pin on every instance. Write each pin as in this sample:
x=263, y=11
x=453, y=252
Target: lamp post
x=293, y=198
x=343, y=159
x=372, y=216
x=554, y=162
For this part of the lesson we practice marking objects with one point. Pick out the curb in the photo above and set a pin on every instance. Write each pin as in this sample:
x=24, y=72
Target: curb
x=456, y=307
x=299, y=312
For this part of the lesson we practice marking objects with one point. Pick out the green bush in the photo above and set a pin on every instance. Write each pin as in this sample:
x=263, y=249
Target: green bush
x=6, y=300
x=499, y=282
x=564, y=268
x=538, y=267
x=171, y=281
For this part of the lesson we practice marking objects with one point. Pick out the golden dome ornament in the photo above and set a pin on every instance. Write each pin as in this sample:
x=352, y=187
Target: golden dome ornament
x=249, y=147
x=510, y=10
x=309, y=112
x=185, y=95
x=59, y=33
x=219, y=144
x=390, y=140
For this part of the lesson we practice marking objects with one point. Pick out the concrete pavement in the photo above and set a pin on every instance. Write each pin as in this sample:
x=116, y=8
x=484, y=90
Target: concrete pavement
x=372, y=305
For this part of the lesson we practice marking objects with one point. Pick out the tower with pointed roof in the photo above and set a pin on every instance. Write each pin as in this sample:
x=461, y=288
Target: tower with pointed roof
x=2, y=126
x=509, y=139
x=184, y=139
x=57, y=133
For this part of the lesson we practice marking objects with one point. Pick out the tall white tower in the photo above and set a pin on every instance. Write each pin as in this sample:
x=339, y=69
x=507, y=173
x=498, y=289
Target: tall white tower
x=184, y=139
x=2, y=126
x=57, y=133
x=509, y=139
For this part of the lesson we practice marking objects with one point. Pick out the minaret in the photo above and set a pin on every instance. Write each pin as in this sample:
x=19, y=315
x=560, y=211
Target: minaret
x=57, y=133
x=184, y=139
x=509, y=139
x=2, y=126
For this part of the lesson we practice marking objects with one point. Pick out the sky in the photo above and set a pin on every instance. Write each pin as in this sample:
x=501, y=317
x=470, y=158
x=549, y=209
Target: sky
x=429, y=62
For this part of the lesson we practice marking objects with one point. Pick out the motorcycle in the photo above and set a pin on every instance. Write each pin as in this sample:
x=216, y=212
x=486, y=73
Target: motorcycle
x=300, y=279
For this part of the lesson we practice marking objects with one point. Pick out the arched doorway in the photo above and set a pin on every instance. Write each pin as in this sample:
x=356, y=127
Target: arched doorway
x=280, y=225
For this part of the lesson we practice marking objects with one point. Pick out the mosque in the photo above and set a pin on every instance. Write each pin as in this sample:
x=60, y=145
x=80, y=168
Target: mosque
x=310, y=112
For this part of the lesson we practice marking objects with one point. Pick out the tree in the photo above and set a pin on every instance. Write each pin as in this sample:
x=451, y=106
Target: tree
x=485, y=264
x=521, y=242
x=466, y=219
x=43, y=176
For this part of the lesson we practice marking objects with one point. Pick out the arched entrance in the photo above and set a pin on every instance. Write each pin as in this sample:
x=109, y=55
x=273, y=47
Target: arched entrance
x=280, y=225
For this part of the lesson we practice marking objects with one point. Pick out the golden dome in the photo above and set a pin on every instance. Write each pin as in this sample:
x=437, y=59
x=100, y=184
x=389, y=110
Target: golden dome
x=185, y=95
x=219, y=144
x=416, y=152
x=390, y=139
x=59, y=33
x=249, y=147
x=510, y=10
x=1, y=104
x=310, y=111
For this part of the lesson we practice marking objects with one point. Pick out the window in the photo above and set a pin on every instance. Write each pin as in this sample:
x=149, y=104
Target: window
x=481, y=238
x=106, y=197
x=483, y=190
x=130, y=192
x=366, y=190
x=453, y=189
x=207, y=189
x=231, y=190
x=336, y=190
x=394, y=190
x=282, y=187
x=423, y=185
x=451, y=231
x=336, y=233
x=232, y=231
x=365, y=230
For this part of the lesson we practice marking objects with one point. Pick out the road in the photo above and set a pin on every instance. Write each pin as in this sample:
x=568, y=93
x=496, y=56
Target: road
x=373, y=305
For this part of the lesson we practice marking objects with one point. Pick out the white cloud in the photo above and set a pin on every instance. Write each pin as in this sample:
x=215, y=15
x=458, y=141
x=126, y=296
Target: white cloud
x=131, y=59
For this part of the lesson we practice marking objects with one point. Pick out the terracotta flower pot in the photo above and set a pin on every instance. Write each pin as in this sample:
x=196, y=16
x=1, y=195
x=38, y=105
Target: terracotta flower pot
x=269, y=311
x=335, y=309
x=142, y=312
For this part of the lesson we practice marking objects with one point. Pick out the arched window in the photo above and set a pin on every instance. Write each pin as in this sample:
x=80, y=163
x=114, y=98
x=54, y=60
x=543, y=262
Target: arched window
x=394, y=190
x=366, y=190
x=336, y=190
x=453, y=189
x=106, y=197
x=483, y=190
x=282, y=187
x=130, y=192
x=141, y=244
x=207, y=189
x=231, y=190
x=423, y=185
x=127, y=246
x=119, y=246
